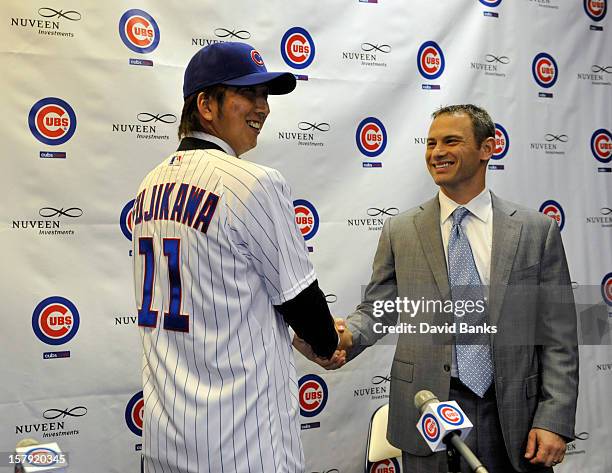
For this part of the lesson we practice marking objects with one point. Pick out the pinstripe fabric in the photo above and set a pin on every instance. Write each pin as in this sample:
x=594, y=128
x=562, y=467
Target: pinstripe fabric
x=222, y=397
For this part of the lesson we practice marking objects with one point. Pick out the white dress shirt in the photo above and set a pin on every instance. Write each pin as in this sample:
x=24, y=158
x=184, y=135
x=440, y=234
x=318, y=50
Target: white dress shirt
x=213, y=139
x=478, y=227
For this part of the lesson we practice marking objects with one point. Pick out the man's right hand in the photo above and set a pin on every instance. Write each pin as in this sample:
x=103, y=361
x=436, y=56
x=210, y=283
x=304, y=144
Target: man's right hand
x=338, y=359
x=346, y=337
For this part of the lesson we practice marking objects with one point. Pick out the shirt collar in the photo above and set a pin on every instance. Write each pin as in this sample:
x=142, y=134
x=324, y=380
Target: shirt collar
x=480, y=206
x=201, y=135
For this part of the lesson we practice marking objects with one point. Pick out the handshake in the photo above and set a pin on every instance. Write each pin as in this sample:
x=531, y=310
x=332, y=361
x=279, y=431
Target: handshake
x=338, y=359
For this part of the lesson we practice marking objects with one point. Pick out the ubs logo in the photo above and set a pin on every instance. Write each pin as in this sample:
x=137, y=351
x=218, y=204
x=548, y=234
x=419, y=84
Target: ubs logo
x=52, y=121
x=430, y=60
x=139, y=31
x=297, y=48
x=544, y=69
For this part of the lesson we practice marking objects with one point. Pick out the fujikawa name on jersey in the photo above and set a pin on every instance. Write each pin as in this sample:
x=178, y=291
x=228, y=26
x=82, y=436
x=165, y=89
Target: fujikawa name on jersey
x=185, y=205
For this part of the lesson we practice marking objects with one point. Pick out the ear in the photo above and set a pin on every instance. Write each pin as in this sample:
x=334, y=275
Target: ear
x=206, y=107
x=487, y=148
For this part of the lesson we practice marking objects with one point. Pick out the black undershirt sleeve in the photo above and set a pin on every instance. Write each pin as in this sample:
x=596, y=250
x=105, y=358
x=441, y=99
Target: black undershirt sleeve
x=309, y=317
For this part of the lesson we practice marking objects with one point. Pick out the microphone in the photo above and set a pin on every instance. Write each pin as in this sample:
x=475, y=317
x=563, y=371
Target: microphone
x=32, y=456
x=444, y=423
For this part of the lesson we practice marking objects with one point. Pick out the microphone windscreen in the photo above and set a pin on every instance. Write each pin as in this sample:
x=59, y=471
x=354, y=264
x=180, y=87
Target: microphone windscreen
x=422, y=398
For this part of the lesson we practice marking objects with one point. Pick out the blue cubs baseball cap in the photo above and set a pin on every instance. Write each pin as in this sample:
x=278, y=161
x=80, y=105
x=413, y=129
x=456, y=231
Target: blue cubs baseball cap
x=237, y=64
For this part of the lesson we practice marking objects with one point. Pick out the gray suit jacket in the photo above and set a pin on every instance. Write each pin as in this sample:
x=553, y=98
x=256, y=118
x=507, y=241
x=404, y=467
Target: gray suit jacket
x=530, y=301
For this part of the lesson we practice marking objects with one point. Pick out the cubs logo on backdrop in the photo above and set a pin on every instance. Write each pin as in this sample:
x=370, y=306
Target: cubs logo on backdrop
x=606, y=289
x=134, y=413
x=490, y=3
x=55, y=320
x=544, y=70
x=52, y=121
x=502, y=142
x=554, y=210
x=430, y=60
x=312, y=394
x=139, y=31
x=596, y=9
x=297, y=48
x=306, y=218
x=390, y=465
x=371, y=137
x=126, y=219
x=601, y=145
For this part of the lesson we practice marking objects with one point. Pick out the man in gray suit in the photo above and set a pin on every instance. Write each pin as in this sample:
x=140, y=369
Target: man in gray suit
x=517, y=380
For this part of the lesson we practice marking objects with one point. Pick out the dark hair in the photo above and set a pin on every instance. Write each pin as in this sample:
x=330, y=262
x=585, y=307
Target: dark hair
x=482, y=124
x=190, y=116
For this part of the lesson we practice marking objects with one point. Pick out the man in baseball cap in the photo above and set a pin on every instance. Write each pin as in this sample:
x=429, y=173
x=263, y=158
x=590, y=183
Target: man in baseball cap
x=221, y=270
x=234, y=72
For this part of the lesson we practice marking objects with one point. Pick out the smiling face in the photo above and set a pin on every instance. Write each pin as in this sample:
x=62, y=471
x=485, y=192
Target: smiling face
x=454, y=160
x=239, y=119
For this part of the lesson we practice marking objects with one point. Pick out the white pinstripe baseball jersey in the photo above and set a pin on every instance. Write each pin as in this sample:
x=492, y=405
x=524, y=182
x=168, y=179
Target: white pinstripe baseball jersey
x=215, y=247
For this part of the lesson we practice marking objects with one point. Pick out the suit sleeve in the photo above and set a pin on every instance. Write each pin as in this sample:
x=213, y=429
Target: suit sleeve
x=556, y=409
x=382, y=286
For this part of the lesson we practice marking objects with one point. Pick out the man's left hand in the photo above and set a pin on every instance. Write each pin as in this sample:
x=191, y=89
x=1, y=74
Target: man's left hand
x=544, y=448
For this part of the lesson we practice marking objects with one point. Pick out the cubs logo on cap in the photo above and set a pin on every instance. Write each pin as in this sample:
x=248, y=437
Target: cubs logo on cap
x=554, y=210
x=134, y=413
x=371, y=137
x=306, y=218
x=52, y=121
x=236, y=64
x=544, y=70
x=601, y=145
x=139, y=31
x=256, y=57
x=297, y=48
x=596, y=9
x=430, y=60
x=312, y=395
x=55, y=320
x=502, y=142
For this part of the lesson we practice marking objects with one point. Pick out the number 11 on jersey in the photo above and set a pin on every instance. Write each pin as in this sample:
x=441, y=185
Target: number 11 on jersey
x=147, y=317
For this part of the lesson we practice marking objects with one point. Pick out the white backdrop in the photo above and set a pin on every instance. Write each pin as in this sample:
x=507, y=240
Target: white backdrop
x=70, y=351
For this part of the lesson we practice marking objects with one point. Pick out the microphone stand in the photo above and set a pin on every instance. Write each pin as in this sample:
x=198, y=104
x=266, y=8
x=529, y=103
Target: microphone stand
x=455, y=448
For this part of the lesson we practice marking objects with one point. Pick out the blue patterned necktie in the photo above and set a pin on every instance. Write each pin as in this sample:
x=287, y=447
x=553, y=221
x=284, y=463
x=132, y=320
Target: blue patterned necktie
x=473, y=350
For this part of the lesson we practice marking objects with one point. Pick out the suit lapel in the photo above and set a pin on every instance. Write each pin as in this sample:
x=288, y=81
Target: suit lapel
x=427, y=224
x=506, y=234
